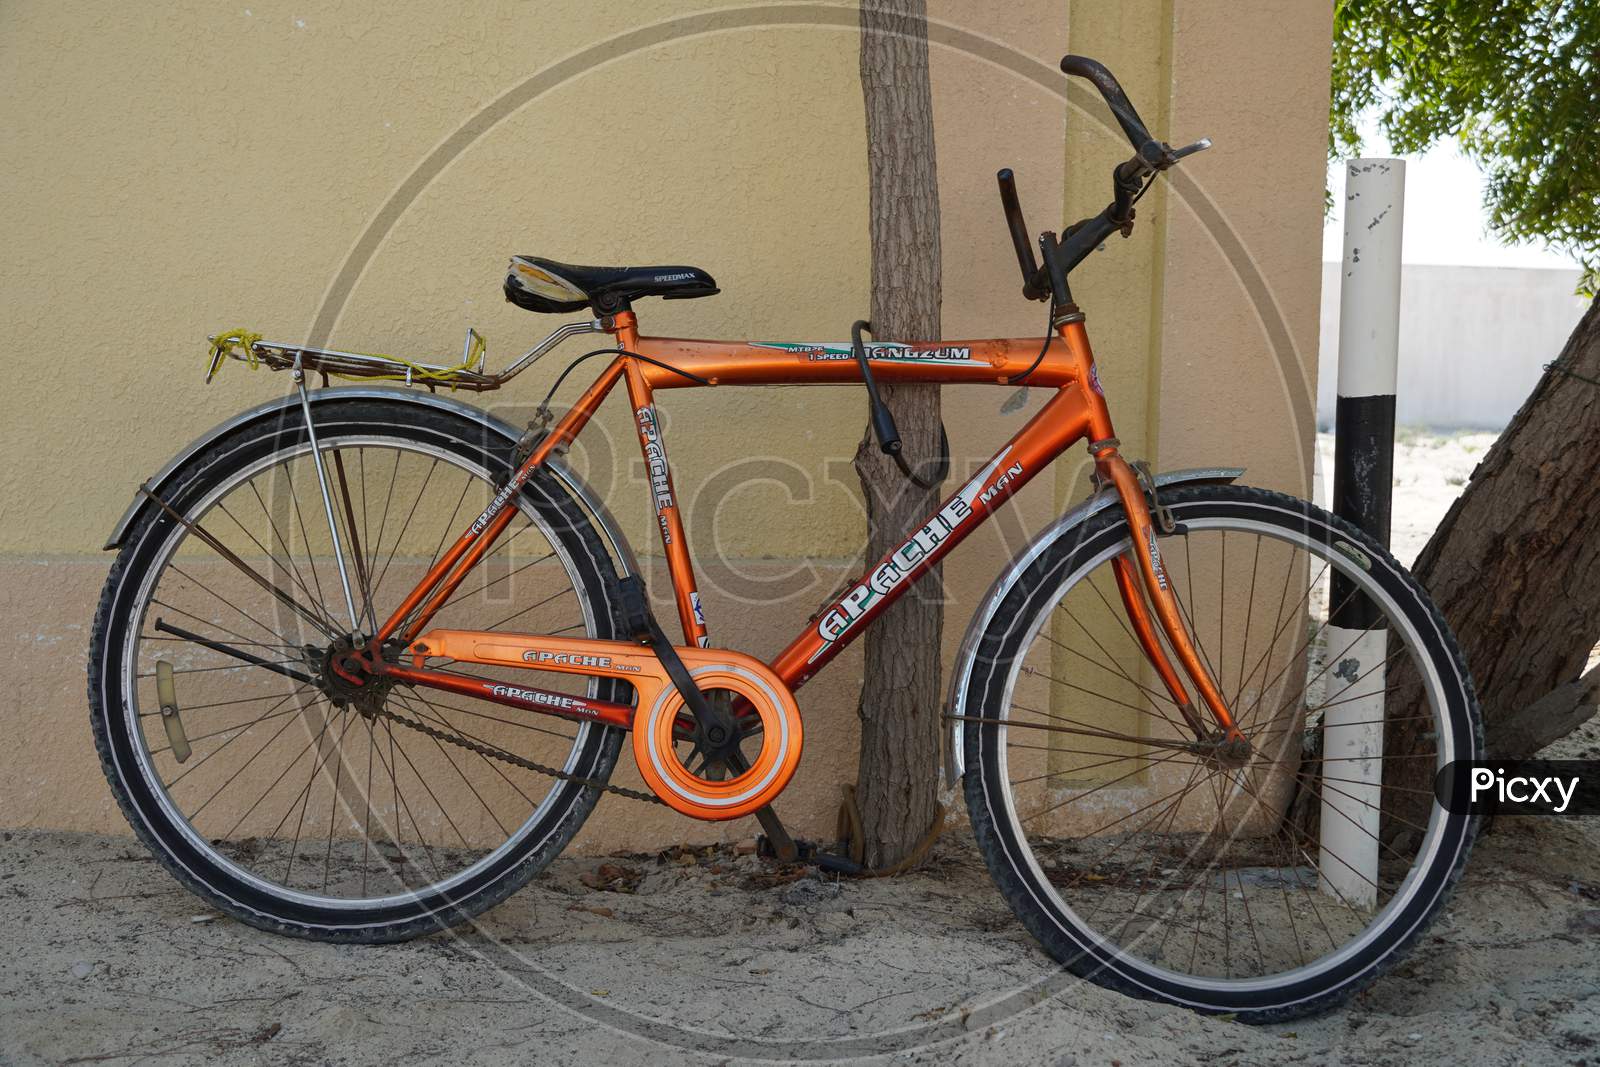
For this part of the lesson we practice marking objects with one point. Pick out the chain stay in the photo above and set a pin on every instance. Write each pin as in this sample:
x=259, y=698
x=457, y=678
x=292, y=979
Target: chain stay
x=515, y=760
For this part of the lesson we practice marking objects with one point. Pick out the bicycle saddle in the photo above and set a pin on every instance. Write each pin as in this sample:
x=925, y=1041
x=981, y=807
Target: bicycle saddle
x=539, y=284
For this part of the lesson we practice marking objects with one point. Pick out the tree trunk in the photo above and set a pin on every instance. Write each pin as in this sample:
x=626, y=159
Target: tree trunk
x=1515, y=565
x=900, y=694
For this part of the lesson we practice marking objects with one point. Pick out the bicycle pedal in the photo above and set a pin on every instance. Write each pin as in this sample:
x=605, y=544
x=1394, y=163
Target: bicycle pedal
x=804, y=851
x=833, y=863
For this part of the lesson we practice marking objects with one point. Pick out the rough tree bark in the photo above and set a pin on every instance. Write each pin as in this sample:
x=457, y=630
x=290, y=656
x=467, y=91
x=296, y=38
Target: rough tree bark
x=1515, y=565
x=900, y=694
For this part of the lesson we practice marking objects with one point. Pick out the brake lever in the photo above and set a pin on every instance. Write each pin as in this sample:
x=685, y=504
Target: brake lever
x=1132, y=186
x=1175, y=154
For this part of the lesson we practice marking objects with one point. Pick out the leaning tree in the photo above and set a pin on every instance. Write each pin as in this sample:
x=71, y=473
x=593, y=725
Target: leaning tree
x=1515, y=565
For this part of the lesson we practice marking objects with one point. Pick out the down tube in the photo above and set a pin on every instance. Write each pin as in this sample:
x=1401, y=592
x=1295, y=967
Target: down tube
x=1065, y=419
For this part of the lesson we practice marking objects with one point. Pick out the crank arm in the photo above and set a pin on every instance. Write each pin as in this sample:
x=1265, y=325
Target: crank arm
x=784, y=850
x=238, y=654
x=716, y=725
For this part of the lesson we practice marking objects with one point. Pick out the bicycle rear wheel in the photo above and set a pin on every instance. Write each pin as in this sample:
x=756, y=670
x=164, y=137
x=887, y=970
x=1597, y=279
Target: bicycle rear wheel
x=274, y=797
x=1271, y=886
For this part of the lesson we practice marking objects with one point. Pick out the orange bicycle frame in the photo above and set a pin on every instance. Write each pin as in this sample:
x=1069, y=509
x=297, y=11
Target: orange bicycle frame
x=1076, y=411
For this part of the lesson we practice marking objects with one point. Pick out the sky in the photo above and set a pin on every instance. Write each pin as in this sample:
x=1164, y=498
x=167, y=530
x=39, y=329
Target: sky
x=1444, y=216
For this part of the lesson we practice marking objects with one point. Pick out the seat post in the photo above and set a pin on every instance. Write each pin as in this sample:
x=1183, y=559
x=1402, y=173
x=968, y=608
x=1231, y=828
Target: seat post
x=623, y=325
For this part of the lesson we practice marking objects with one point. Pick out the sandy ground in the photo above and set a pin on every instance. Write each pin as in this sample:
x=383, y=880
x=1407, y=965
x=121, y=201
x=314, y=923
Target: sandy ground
x=108, y=960
x=710, y=957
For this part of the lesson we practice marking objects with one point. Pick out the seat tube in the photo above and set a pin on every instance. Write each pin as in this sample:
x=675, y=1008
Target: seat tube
x=663, y=494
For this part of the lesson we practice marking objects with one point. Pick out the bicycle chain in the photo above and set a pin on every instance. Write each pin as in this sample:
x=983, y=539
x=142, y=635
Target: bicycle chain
x=515, y=760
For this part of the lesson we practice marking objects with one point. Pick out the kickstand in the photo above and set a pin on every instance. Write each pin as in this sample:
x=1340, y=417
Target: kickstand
x=776, y=844
x=783, y=848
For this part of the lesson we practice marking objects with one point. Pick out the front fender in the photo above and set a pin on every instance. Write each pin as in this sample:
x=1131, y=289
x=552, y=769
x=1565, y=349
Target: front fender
x=622, y=553
x=955, y=759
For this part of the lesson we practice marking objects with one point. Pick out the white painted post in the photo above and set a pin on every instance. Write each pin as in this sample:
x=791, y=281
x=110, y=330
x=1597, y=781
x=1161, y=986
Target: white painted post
x=1363, y=481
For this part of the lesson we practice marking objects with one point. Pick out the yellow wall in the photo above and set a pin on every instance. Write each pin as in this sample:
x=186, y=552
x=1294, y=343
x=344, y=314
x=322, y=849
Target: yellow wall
x=169, y=170
x=174, y=171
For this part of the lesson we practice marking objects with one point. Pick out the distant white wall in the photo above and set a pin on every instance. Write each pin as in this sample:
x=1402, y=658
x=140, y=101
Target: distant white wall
x=1473, y=341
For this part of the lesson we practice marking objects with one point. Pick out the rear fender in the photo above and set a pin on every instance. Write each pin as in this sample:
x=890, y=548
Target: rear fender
x=622, y=554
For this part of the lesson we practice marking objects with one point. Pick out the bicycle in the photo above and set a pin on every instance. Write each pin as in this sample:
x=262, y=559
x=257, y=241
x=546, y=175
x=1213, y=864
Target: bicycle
x=1151, y=816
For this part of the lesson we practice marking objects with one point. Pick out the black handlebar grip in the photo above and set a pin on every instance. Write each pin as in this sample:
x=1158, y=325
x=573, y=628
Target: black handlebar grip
x=1019, y=233
x=1117, y=100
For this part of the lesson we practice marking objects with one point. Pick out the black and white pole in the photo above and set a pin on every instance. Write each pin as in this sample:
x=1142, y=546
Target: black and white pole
x=1363, y=481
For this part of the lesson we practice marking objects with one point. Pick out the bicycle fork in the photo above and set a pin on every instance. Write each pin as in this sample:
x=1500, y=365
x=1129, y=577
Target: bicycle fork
x=1143, y=584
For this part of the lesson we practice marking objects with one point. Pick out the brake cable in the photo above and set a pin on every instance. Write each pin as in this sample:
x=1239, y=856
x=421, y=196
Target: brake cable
x=882, y=419
x=1049, y=336
x=1127, y=223
x=1049, y=329
x=543, y=410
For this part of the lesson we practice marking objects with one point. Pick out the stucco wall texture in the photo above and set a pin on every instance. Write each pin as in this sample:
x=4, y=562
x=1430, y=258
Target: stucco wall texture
x=172, y=170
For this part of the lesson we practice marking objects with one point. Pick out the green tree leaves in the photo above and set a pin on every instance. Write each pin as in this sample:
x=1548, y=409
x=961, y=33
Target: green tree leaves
x=1514, y=80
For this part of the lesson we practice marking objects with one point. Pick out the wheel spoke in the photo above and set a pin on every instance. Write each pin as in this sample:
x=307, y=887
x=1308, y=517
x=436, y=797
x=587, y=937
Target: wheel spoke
x=292, y=575
x=402, y=816
x=1197, y=859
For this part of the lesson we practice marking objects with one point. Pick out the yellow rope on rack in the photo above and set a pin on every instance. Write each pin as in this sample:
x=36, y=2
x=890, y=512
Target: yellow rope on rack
x=225, y=343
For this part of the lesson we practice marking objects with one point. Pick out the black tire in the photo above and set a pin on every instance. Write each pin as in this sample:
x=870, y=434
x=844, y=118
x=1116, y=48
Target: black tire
x=1006, y=848
x=201, y=869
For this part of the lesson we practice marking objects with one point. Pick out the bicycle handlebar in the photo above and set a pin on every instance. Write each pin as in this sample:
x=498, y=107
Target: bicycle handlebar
x=1019, y=235
x=1150, y=156
x=1121, y=107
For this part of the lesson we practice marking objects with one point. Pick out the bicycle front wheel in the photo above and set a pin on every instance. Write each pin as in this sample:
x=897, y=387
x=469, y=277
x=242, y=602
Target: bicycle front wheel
x=1272, y=883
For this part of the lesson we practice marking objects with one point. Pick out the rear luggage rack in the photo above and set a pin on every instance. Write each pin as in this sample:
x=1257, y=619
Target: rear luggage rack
x=469, y=374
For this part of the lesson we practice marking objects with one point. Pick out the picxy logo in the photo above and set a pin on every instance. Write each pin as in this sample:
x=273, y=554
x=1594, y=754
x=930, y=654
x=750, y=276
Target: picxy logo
x=1523, y=789
x=1569, y=788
